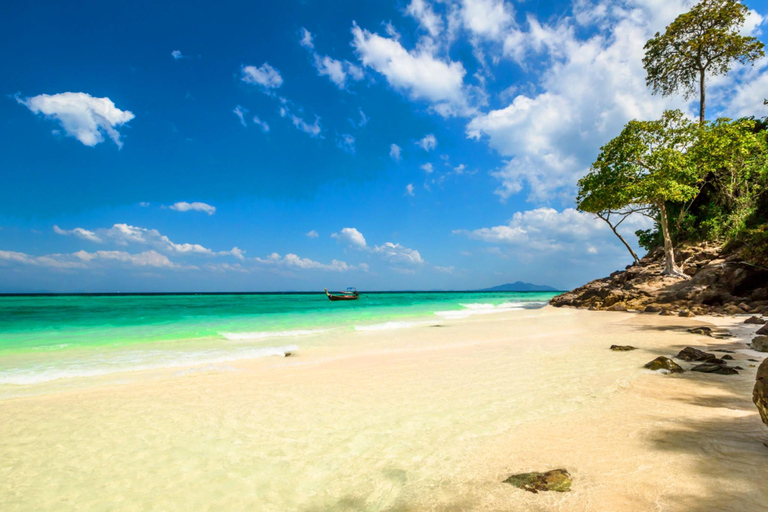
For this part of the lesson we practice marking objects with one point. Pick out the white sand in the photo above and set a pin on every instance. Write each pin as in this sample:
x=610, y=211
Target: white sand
x=415, y=419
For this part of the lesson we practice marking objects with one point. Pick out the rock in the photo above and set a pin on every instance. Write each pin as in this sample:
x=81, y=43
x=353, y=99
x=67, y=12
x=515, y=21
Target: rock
x=760, y=343
x=705, y=331
x=760, y=393
x=714, y=368
x=753, y=360
x=665, y=312
x=558, y=480
x=763, y=330
x=652, y=309
x=730, y=309
x=664, y=363
x=727, y=357
x=723, y=350
x=754, y=320
x=288, y=354
x=686, y=313
x=622, y=348
x=619, y=306
x=693, y=354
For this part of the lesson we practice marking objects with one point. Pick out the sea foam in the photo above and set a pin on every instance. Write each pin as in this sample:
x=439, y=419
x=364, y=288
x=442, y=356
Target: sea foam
x=257, y=335
x=134, y=361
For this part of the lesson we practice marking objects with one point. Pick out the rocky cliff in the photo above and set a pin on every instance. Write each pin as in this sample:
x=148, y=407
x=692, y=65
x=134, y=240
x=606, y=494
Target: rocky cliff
x=720, y=282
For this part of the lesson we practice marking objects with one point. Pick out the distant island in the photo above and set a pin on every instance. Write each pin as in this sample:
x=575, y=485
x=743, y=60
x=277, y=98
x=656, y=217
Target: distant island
x=519, y=286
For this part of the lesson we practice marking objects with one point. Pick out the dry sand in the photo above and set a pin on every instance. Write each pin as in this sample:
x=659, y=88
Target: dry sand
x=416, y=419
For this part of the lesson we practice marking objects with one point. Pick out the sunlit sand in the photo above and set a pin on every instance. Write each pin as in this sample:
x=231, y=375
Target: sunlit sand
x=411, y=419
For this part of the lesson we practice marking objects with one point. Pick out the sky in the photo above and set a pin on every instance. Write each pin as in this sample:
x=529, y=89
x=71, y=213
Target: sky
x=297, y=145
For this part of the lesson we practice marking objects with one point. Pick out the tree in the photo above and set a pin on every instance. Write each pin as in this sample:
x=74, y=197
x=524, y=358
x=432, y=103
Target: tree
x=704, y=41
x=647, y=166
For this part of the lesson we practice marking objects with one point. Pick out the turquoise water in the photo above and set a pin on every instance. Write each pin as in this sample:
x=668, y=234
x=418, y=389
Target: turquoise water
x=44, y=338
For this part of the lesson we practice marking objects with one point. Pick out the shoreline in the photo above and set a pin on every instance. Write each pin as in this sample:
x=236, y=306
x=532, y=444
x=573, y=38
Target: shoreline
x=420, y=418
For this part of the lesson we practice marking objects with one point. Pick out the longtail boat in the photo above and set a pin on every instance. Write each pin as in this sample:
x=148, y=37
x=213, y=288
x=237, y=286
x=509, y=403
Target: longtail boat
x=350, y=294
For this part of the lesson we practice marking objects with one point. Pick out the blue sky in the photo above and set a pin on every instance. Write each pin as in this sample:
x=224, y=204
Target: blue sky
x=420, y=144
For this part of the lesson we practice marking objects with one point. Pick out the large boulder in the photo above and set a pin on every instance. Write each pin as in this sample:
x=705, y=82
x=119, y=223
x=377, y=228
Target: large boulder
x=665, y=364
x=754, y=320
x=558, y=480
x=760, y=343
x=693, y=354
x=760, y=393
x=705, y=331
x=763, y=330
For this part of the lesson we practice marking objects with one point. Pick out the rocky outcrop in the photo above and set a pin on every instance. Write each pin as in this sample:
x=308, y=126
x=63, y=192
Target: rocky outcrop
x=664, y=363
x=622, y=348
x=754, y=320
x=704, y=331
x=558, y=480
x=763, y=330
x=760, y=343
x=719, y=283
x=760, y=393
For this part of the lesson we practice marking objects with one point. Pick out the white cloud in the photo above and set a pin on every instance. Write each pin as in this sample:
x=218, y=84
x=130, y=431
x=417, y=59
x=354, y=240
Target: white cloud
x=346, y=142
x=142, y=259
x=313, y=130
x=351, y=237
x=590, y=88
x=428, y=143
x=81, y=115
x=86, y=260
x=293, y=261
x=266, y=76
x=409, y=189
x=487, y=18
x=183, y=206
x=419, y=74
x=428, y=168
x=306, y=39
x=394, y=152
x=425, y=15
x=79, y=233
x=312, y=234
x=261, y=124
x=444, y=270
x=546, y=229
x=176, y=54
x=363, y=118
x=397, y=254
x=240, y=113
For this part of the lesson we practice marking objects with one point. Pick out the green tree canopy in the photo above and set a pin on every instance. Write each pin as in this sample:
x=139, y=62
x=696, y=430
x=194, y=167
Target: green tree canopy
x=649, y=164
x=704, y=41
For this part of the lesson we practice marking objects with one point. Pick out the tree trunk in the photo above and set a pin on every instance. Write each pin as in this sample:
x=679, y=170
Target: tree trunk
x=670, y=267
x=629, y=248
x=702, y=97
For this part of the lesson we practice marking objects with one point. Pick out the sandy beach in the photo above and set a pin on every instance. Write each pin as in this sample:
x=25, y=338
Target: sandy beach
x=418, y=418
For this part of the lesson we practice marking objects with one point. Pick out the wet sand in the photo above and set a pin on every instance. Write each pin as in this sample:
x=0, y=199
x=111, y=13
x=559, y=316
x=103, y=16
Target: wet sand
x=421, y=418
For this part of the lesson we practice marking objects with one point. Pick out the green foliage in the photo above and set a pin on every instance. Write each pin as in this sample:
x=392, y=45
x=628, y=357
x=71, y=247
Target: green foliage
x=647, y=164
x=703, y=41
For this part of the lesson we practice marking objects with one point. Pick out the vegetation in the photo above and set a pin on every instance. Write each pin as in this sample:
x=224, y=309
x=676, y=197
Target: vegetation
x=705, y=181
x=704, y=41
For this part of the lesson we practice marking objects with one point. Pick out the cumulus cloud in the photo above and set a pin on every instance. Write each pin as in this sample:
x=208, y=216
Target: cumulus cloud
x=336, y=70
x=546, y=229
x=313, y=130
x=394, y=151
x=293, y=261
x=312, y=234
x=87, y=260
x=489, y=19
x=409, y=190
x=306, y=39
x=428, y=143
x=428, y=168
x=422, y=11
x=176, y=54
x=81, y=115
x=592, y=85
x=81, y=233
x=418, y=73
x=363, y=118
x=397, y=254
x=183, y=206
x=351, y=237
x=265, y=76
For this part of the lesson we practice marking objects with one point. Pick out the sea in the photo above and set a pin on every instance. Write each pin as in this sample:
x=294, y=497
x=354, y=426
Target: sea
x=45, y=338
